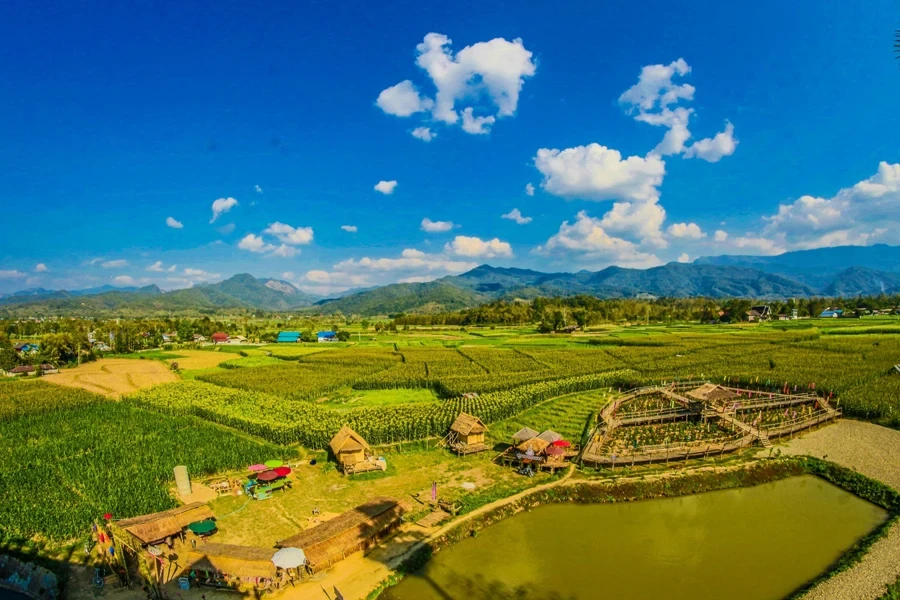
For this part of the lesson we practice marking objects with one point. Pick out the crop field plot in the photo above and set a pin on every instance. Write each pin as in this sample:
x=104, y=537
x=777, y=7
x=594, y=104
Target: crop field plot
x=76, y=456
x=114, y=377
x=568, y=415
x=626, y=439
x=199, y=359
x=291, y=351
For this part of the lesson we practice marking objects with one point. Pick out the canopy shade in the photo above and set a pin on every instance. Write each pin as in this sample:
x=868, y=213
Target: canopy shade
x=561, y=443
x=555, y=451
x=267, y=476
x=202, y=527
x=282, y=471
x=289, y=558
x=257, y=468
x=273, y=463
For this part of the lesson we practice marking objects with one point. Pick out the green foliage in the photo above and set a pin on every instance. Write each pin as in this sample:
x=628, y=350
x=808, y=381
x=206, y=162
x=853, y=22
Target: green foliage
x=30, y=397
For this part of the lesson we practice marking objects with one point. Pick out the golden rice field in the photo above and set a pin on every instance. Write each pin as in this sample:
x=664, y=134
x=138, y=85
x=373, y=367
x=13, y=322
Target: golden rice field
x=115, y=377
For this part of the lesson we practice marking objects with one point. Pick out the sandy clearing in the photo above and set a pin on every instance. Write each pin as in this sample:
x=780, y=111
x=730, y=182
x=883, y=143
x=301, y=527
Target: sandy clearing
x=114, y=377
x=873, y=451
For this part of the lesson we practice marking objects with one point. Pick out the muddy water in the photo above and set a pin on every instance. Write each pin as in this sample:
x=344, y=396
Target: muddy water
x=750, y=543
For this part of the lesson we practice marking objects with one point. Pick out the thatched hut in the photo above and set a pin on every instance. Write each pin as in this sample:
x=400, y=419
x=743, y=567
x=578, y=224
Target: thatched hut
x=356, y=530
x=535, y=444
x=351, y=451
x=467, y=434
x=229, y=561
x=156, y=527
x=549, y=436
x=524, y=434
x=710, y=392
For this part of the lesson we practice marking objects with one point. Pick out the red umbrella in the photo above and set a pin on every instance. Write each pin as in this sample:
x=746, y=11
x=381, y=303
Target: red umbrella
x=555, y=451
x=257, y=468
x=282, y=471
x=561, y=443
x=267, y=476
x=107, y=516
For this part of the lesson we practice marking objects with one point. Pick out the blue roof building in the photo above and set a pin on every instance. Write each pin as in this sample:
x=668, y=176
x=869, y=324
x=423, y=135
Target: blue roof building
x=326, y=336
x=832, y=313
x=291, y=337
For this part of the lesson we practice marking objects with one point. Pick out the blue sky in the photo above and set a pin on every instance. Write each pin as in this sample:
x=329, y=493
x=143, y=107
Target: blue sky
x=624, y=133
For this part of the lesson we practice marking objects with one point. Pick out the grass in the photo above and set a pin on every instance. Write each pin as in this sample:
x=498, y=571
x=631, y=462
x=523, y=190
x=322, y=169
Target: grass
x=347, y=398
x=567, y=415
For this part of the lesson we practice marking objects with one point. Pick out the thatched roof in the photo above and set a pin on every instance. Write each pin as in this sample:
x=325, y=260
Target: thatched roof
x=158, y=526
x=549, y=436
x=711, y=391
x=345, y=533
x=466, y=424
x=535, y=444
x=241, y=561
x=525, y=434
x=347, y=439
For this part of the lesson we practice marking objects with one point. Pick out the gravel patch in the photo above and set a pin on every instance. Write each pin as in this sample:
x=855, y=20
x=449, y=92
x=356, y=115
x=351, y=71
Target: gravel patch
x=873, y=451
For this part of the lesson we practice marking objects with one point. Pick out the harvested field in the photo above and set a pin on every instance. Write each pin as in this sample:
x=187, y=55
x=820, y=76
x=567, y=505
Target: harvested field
x=114, y=377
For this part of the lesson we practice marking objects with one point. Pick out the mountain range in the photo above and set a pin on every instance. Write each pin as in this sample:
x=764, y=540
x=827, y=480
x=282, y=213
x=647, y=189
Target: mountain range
x=840, y=271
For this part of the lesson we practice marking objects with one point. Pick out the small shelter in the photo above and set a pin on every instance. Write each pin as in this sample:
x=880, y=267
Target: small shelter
x=549, y=436
x=288, y=337
x=326, y=336
x=356, y=530
x=156, y=527
x=352, y=452
x=536, y=445
x=710, y=392
x=524, y=434
x=467, y=434
x=229, y=561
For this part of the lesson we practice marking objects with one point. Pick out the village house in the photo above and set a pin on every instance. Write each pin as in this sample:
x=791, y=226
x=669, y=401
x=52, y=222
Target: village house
x=288, y=337
x=831, y=313
x=236, y=340
x=353, y=453
x=219, y=337
x=326, y=336
x=467, y=435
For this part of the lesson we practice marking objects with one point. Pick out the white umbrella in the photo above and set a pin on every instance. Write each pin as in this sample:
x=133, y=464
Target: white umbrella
x=289, y=558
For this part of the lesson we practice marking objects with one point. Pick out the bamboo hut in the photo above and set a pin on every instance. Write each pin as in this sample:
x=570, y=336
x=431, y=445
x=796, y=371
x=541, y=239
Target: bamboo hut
x=549, y=436
x=467, y=435
x=353, y=453
x=710, y=392
x=356, y=530
x=524, y=434
x=535, y=445
x=218, y=564
x=156, y=527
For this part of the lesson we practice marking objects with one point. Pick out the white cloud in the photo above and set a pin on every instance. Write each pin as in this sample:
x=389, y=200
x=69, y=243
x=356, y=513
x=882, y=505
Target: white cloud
x=171, y=222
x=11, y=274
x=403, y=100
x=720, y=235
x=491, y=73
x=158, y=267
x=200, y=275
x=226, y=229
x=758, y=244
x=336, y=278
x=864, y=213
x=641, y=220
x=476, y=125
x=424, y=133
x=586, y=239
x=350, y=228
x=294, y=236
x=529, y=189
x=713, y=149
x=114, y=264
x=684, y=258
x=124, y=280
x=595, y=172
x=284, y=251
x=473, y=247
x=222, y=206
x=409, y=260
x=689, y=231
x=516, y=215
x=287, y=275
x=436, y=226
x=40, y=268
x=417, y=279
x=255, y=243
x=257, y=189
x=385, y=187
x=655, y=88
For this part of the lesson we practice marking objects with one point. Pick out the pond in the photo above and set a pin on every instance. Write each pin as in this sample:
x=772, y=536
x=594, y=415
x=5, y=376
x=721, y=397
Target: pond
x=757, y=543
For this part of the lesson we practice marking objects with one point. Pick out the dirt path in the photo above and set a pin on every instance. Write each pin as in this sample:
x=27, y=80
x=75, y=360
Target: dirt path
x=873, y=451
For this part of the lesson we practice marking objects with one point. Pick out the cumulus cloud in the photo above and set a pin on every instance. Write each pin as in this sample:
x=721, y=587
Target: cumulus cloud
x=424, y=133
x=257, y=189
x=864, y=213
x=529, y=189
x=595, y=172
x=40, y=268
x=158, y=267
x=385, y=187
x=655, y=87
x=409, y=260
x=285, y=251
x=517, y=216
x=587, y=240
x=11, y=274
x=684, y=258
x=255, y=243
x=403, y=100
x=758, y=244
x=350, y=228
x=720, y=235
x=293, y=236
x=473, y=247
x=713, y=149
x=124, y=280
x=640, y=220
x=436, y=226
x=689, y=231
x=489, y=73
x=114, y=264
x=171, y=222
x=222, y=206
